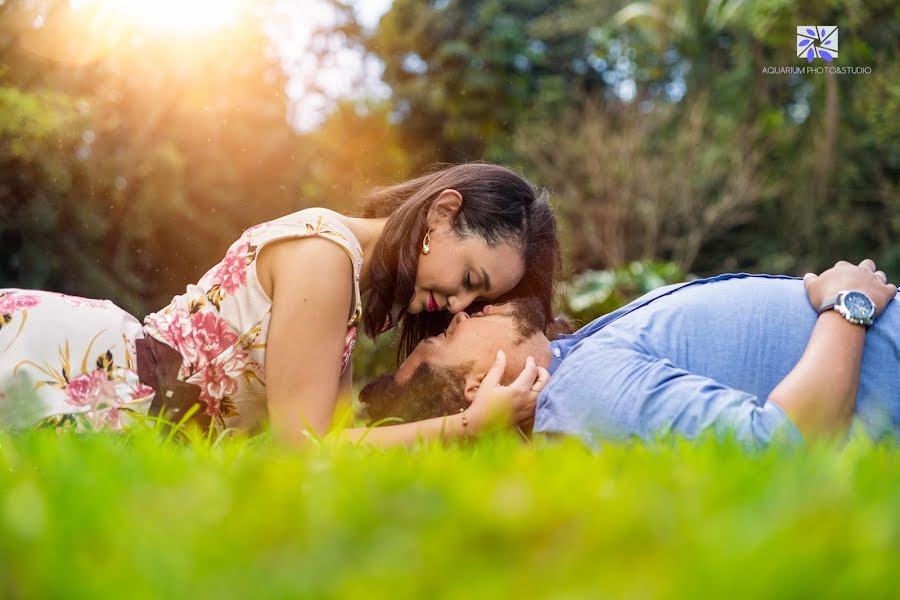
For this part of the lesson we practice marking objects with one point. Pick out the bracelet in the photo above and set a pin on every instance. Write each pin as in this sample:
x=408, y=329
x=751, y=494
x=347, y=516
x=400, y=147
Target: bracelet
x=465, y=422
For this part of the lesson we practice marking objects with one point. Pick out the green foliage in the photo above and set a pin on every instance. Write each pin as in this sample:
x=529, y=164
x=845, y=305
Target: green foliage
x=591, y=294
x=372, y=358
x=96, y=516
x=337, y=173
x=32, y=124
x=39, y=131
x=632, y=185
x=465, y=73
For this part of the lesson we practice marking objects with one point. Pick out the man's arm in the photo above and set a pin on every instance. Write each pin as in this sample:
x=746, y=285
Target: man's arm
x=632, y=393
x=819, y=394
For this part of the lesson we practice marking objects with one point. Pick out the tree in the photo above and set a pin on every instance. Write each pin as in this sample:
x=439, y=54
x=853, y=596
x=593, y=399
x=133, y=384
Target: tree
x=629, y=185
x=466, y=73
x=165, y=148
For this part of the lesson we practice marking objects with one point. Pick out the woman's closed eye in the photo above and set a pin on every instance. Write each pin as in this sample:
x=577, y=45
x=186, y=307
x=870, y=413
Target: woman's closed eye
x=484, y=281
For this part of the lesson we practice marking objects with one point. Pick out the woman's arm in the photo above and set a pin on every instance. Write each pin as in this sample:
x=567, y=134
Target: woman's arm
x=311, y=289
x=819, y=394
x=445, y=429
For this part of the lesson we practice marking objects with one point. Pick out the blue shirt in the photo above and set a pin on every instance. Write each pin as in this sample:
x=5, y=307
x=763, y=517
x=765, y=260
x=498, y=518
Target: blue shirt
x=705, y=355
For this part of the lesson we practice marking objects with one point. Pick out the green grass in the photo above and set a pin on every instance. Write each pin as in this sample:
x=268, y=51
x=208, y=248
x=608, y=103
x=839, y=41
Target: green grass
x=103, y=516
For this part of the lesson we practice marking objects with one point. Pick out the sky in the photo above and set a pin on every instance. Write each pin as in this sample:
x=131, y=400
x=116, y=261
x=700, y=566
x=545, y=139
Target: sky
x=313, y=88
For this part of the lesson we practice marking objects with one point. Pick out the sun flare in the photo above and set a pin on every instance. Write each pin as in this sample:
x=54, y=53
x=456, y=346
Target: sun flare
x=169, y=16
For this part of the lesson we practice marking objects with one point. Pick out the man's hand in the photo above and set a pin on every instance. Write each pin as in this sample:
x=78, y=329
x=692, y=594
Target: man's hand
x=846, y=276
x=819, y=394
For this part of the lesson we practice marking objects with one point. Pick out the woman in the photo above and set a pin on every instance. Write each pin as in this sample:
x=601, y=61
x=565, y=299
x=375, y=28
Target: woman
x=266, y=335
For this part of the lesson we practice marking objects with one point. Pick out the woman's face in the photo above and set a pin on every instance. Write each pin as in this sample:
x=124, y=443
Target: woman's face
x=458, y=271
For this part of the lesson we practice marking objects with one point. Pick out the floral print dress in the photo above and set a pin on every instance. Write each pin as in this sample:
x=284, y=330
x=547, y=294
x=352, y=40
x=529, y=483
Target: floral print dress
x=68, y=361
x=220, y=325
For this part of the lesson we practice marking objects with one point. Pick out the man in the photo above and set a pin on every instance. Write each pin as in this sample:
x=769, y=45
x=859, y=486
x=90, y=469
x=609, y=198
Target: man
x=740, y=353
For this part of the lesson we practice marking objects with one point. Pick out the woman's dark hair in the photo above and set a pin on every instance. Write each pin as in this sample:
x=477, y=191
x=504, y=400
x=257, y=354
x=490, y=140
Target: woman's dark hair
x=498, y=205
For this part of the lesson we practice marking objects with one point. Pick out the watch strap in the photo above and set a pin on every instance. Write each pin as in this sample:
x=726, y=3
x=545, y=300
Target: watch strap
x=829, y=304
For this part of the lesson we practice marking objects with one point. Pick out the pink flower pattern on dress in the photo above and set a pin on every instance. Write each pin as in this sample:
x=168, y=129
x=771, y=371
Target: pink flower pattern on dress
x=212, y=359
x=109, y=418
x=141, y=391
x=89, y=302
x=211, y=336
x=107, y=405
x=175, y=328
x=219, y=379
x=349, y=344
x=91, y=389
x=13, y=301
x=231, y=273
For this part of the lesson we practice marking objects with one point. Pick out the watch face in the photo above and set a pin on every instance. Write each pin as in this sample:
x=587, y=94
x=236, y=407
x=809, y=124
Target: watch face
x=859, y=305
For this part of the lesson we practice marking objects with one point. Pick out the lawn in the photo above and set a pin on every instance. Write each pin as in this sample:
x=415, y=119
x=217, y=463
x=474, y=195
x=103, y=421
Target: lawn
x=100, y=516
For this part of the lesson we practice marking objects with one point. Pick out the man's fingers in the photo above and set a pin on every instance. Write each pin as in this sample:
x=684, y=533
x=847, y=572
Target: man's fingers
x=808, y=280
x=493, y=376
x=882, y=275
x=868, y=263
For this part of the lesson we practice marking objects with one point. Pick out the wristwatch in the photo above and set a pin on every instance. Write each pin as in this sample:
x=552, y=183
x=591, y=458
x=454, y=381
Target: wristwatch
x=853, y=305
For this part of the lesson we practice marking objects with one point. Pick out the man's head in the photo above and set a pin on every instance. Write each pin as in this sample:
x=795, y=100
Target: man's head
x=442, y=374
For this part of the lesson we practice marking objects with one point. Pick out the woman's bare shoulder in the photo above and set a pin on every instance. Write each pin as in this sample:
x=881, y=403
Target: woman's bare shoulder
x=314, y=262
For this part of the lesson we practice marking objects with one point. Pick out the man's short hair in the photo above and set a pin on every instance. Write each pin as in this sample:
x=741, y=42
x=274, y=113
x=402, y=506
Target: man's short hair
x=528, y=318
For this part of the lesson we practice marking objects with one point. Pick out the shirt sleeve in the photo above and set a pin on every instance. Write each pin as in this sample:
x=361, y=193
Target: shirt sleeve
x=614, y=393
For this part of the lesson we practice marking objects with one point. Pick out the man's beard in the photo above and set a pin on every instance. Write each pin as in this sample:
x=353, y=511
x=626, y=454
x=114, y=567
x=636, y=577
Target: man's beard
x=429, y=392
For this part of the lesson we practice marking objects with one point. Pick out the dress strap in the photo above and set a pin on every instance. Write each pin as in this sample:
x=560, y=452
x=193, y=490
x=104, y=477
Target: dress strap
x=314, y=222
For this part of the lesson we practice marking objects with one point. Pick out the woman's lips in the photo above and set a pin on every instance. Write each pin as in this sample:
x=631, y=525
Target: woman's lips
x=432, y=303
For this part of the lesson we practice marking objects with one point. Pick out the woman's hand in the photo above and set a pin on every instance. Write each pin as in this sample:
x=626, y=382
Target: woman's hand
x=845, y=276
x=498, y=405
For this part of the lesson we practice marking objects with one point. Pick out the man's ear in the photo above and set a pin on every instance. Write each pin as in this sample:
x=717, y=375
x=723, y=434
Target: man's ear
x=472, y=384
x=444, y=209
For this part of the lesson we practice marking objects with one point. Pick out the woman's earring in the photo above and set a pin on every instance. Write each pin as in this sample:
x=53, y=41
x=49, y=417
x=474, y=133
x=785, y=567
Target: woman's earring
x=426, y=243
